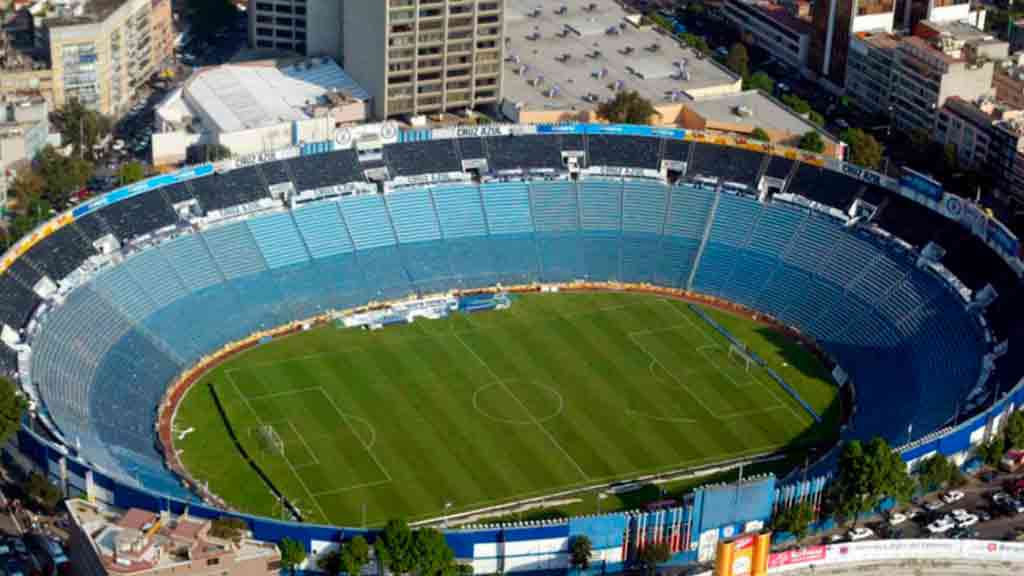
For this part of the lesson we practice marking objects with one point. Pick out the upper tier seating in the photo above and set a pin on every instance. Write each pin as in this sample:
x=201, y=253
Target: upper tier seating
x=16, y=302
x=472, y=148
x=322, y=170
x=221, y=191
x=779, y=167
x=60, y=253
x=138, y=215
x=276, y=172
x=526, y=152
x=728, y=165
x=678, y=150
x=412, y=158
x=824, y=186
x=606, y=150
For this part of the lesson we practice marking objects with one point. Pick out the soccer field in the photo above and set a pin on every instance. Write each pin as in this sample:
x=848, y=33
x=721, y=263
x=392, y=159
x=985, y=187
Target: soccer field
x=560, y=390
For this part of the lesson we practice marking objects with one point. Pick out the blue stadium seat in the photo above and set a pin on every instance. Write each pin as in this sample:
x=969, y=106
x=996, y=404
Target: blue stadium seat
x=413, y=213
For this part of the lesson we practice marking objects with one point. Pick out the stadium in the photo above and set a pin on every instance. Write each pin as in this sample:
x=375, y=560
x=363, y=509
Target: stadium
x=185, y=340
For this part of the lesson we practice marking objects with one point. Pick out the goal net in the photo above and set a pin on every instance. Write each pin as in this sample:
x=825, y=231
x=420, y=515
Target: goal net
x=741, y=357
x=268, y=440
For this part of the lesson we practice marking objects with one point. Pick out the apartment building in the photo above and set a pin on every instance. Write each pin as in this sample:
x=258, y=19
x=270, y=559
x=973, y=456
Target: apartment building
x=104, y=50
x=413, y=56
x=988, y=136
x=1008, y=81
x=24, y=130
x=783, y=30
x=940, y=61
x=870, y=65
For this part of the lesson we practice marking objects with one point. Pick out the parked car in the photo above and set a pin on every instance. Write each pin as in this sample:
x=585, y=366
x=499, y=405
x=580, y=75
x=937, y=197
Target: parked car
x=959, y=513
x=942, y=525
x=966, y=521
x=860, y=533
x=933, y=505
x=951, y=497
x=983, y=515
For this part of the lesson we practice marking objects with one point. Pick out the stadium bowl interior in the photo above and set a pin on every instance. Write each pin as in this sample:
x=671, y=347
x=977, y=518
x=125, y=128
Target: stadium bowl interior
x=107, y=343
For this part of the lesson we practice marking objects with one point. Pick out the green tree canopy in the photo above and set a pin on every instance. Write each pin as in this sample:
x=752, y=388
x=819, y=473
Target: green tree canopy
x=815, y=118
x=330, y=563
x=738, y=60
x=868, y=474
x=760, y=134
x=433, y=556
x=130, y=172
x=812, y=142
x=579, y=552
x=354, y=555
x=798, y=104
x=228, y=528
x=62, y=176
x=82, y=127
x=992, y=452
x=761, y=81
x=628, y=107
x=1015, y=429
x=394, y=547
x=796, y=520
x=935, y=473
x=863, y=150
x=653, y=554
x=12, y=408
x=39, y=489
x=293, y=554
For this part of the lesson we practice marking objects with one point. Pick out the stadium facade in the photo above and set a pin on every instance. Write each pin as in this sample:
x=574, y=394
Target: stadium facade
x=912, y=291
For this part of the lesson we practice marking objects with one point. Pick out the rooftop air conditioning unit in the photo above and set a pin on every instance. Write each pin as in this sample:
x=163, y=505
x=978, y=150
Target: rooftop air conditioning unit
x=743, y=111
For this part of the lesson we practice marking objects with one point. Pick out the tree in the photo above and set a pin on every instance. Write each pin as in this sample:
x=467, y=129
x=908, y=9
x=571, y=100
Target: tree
x=738, y=59
x=432, y=555
x=761, y=81
x=330, y=563
x=394, y=547
x=354, y=555
x=628, y=107
x=579, y=552
x=228, y=528
x=992, y=452
x=760, y=134
x=868, y=474
x=798, y=104
x=62, y=176
x=935, y=473
x=39, y=489
x=863, y=149
x=130, y=172
x=815, y=118
x=293, y=554
x=796, y=520
x=12, y=408
x=653, y=554
x=82, y=127
x=1015, y=430
x=812, y=142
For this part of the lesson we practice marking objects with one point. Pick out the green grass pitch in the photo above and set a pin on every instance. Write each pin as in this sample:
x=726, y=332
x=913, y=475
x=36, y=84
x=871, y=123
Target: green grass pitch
x=561, y=390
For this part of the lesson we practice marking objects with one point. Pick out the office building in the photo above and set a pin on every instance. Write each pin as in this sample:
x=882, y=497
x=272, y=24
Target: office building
x=782, y=30
x=988, y=136
x=415, y=57
x=24, y=130
x=870, y=66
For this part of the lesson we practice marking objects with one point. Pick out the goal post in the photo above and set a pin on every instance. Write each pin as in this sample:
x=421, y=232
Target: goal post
x=268, y=440
x=741, y=356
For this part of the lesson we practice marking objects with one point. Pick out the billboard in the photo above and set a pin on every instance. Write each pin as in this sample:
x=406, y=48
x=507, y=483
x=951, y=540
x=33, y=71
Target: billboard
x=920, y=184
x=745, y=555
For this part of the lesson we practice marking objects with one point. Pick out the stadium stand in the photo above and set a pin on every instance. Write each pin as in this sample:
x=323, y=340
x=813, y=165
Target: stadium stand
x=739, y=166
x=824, y=186
x=606, y=150
x=524, y=153
x=330, y=169
x=138, y=215
x=60, y=253
x=222, y=191
x=102, y=358
x=412, y=158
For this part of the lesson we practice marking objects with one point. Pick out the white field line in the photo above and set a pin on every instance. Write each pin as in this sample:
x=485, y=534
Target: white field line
x=305, y=444
x=365, y=443
x=539, y=424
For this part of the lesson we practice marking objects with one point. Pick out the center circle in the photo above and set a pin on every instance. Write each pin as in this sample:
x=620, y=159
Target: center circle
x=506, y=401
